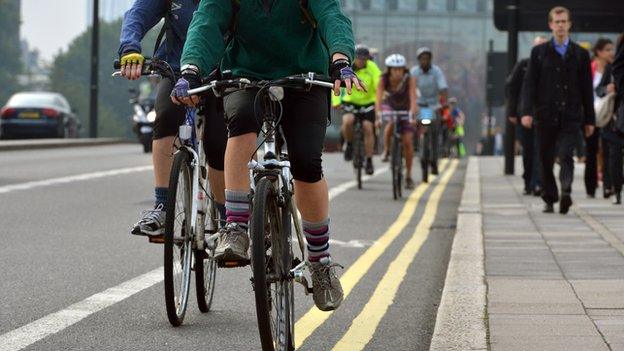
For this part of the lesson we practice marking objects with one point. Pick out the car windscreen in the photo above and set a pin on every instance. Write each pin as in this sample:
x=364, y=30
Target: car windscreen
x=33, y=100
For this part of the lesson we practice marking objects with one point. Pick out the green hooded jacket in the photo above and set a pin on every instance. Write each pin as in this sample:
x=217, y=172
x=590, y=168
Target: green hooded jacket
x=271, y=39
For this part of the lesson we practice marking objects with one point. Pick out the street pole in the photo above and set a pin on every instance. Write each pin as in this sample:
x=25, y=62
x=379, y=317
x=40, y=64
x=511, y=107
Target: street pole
x=489, y=147
x=512, y=55
x=93, y=99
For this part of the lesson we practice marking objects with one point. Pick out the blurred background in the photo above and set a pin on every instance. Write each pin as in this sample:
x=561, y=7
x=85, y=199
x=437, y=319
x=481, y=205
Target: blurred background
x=46, y=47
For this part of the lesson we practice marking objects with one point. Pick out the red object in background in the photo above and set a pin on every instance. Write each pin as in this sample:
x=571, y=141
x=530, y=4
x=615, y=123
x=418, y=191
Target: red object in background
x=6, y=112
x=50, y=112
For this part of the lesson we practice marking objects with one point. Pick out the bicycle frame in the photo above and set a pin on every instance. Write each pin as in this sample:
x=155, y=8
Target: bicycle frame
x=190, y=134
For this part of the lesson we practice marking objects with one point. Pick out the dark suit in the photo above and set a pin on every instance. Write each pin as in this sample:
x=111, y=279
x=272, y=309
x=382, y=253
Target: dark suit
x=558, y=93
x=527, y=135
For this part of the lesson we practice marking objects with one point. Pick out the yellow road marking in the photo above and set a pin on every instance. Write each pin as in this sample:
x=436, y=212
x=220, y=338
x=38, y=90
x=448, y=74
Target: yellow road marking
x=364, y=325
x=314, y=318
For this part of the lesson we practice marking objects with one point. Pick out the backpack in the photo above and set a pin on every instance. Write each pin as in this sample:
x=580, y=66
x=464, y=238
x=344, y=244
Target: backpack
x=306, y=16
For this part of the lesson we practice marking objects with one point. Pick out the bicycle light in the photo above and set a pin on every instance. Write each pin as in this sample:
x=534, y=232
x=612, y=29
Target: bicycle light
x=185, y=132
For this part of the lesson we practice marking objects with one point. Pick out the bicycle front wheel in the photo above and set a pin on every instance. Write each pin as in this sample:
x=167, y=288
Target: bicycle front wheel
x=270, y=264
x=206, y=268
x=178, y=250
x=397, y=167
x=358, y=155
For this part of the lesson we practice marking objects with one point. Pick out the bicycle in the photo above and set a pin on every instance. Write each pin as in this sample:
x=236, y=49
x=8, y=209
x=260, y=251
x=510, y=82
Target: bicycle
x=396, y=150
x=359, y=155
x=274, y=213
x=190, y=215
x=427, y=117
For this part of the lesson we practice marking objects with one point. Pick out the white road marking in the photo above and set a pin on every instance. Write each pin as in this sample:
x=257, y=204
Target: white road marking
x=28, y=334
x=339, y=189
x=70, y=179
x=53, y=323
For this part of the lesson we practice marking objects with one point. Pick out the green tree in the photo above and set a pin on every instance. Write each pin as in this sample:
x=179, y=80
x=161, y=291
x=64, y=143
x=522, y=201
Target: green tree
x=11, y=64
x=70, y=76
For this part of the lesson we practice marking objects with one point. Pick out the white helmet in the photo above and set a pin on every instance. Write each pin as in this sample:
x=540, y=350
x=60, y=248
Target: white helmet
x=396, y=60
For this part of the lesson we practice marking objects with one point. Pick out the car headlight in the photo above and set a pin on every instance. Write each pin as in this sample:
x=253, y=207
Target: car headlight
x=151, y=116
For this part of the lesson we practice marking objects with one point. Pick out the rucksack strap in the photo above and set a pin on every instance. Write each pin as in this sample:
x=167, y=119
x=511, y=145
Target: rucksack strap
x=166, y=28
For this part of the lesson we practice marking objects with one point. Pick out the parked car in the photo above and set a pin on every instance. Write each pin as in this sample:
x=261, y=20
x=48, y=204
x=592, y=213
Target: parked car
x=38, y=115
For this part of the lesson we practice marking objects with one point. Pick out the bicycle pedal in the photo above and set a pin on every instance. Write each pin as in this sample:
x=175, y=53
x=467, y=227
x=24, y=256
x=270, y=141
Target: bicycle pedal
x=159, y=239
x=232, y=264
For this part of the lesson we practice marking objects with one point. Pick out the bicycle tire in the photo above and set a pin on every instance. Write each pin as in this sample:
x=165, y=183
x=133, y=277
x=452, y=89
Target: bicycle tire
x=358, y=158
x=205, y=272
x=178, y=247
x=397, y=165
x=274, y=332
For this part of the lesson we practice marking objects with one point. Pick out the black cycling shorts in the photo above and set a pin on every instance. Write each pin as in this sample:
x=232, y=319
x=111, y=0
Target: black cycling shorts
x=170, y=116
x=368, y=116
x=304, y=121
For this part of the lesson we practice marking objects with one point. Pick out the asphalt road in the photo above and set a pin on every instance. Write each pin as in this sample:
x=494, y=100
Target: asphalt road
x=64, y=220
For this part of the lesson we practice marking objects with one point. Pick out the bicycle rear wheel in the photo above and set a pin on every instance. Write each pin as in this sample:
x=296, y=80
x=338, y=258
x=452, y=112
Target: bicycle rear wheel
x=397, y=167
x=178, y=251
x=206, y=268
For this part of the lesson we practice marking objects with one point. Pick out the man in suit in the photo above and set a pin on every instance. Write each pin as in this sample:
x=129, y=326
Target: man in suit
x=532, y=184
x=558, y=98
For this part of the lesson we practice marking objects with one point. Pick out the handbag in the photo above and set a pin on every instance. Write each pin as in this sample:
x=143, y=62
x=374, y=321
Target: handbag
x=604, y=108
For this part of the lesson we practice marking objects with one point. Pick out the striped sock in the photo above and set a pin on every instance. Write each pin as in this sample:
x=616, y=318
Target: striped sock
x=317, y=237
x=237, y=207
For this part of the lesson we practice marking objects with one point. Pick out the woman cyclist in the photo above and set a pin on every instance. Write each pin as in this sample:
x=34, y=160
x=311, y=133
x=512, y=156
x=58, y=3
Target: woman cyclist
x=397, y=92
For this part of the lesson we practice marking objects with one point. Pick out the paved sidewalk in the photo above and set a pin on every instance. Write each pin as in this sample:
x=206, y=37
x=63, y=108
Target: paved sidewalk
x=554, y=282
x=28, y=144
x=519, y=279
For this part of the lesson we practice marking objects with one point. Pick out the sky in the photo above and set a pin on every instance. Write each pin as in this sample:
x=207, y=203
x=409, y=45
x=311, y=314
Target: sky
x=50, y=25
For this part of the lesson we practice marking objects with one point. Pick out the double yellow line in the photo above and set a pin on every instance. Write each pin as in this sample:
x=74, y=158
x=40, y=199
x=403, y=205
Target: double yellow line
x=365, y=324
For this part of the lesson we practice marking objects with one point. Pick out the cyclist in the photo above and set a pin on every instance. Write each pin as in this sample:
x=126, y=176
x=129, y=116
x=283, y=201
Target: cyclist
x=369, y=73
x=397, y=92
x=138, y=20
x=433, y=90
x=295, y=48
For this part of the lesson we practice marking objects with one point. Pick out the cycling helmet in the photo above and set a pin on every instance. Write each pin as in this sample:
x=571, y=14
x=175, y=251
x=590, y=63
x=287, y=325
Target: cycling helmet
x=362, y=51
x=423, y=50
x=396, y=60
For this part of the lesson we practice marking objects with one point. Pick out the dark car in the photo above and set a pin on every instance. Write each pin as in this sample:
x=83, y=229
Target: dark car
x=38, y=115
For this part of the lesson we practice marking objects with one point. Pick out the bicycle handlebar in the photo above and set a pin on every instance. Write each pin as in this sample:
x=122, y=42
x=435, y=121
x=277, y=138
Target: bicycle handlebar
x=302, y=80
x=149, y=67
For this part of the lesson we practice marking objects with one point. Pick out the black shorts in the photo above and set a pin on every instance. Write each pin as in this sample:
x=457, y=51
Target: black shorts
x=368, y=116
x=169, y=117
x=304, y=121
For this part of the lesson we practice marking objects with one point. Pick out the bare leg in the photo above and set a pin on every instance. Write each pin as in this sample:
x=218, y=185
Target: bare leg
x=312, y=200
x=347, y=126
x=217, y=184
x=387, y=137
x=162, y=158
x=237, y=154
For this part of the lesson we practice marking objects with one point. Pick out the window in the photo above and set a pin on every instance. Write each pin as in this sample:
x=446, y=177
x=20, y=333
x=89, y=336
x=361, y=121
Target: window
x=393, y=5
x=365, y=4
x=467, y=5
x=422, y=5
x=452, y=5
x=437, y=5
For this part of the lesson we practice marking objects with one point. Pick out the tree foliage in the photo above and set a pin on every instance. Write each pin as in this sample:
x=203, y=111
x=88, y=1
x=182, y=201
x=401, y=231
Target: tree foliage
x=70, y=76
x=10, y=65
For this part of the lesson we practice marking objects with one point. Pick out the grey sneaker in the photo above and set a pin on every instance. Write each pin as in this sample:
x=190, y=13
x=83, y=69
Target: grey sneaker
x=152, y=222
x=326, y=288
x=233, y=243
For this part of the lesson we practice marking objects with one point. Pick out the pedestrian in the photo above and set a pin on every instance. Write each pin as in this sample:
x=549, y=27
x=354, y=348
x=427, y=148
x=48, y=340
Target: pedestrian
x=613, y=133
x=604, y=52
x=558, y=97
x=532, y=184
